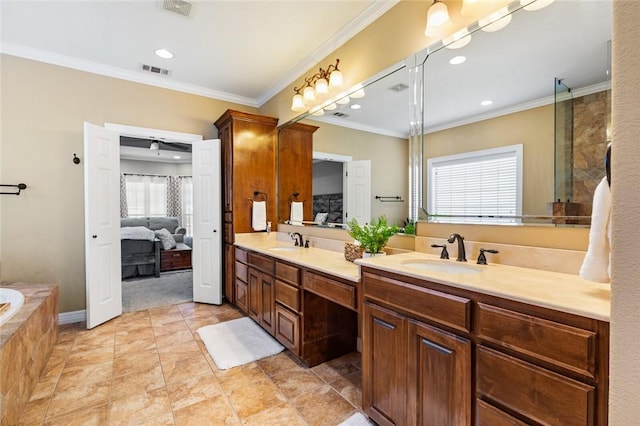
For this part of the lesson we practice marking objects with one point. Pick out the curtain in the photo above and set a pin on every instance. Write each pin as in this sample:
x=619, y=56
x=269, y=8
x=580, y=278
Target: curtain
x=174, y=196
x=124, y=211
x=187, y=203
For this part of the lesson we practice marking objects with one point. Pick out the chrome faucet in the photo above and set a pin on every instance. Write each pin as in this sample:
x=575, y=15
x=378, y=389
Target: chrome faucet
x=297, y=237
x=462, y=257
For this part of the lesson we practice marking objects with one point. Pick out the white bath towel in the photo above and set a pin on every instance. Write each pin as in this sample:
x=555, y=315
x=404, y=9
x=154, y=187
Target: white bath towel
x=595, y=266
x=297, y=208
x=259, y=216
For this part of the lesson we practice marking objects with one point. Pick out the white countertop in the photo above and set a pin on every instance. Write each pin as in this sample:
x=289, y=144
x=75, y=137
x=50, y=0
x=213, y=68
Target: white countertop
x=330, y=262
x=553, y=290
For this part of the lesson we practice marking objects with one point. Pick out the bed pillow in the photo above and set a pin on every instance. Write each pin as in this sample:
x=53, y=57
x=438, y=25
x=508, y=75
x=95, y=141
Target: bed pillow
x=321, y=218
x=166, y=239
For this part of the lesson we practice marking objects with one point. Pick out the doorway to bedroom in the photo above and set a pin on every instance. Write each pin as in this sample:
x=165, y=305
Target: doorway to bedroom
x=156, y=209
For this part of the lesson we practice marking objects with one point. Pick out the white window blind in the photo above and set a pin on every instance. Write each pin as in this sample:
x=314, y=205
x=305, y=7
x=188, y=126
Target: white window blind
x=477, y=186
x=146, y=195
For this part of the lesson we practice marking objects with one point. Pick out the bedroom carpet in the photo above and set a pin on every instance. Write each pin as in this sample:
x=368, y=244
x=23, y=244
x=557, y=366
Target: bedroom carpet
x=237, y=342
x=170, y=288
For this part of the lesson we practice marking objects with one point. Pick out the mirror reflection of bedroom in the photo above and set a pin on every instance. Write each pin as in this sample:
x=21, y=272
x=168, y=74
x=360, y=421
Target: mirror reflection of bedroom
x=328, y=189
x=156, y=222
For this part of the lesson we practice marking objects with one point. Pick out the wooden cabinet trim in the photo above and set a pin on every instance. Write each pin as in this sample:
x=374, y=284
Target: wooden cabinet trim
x=421, y=302
x=487, y=414
x=542, y=395
x=558, y=344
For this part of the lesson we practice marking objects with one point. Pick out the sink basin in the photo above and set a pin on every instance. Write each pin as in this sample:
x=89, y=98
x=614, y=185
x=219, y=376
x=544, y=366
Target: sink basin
x=451, y=267
x=285, y=249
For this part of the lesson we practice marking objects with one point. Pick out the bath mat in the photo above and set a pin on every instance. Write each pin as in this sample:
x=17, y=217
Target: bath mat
x=358, y=419
x=236, y=342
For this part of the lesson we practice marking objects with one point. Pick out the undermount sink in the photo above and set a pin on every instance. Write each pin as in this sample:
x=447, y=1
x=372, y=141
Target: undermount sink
x=451, y=267
x=286, y=248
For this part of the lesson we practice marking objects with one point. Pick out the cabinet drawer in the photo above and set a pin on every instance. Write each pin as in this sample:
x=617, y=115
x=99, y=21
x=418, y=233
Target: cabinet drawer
x=264, y=263
x=559, y=344
x=288, y=329
x=287, y=273
x=488, y=415
x=444, y=308
x=342, y=294
x=288, y=295
x=241, y=255
x=170, y=259
x=541, y=395
x=242, y=271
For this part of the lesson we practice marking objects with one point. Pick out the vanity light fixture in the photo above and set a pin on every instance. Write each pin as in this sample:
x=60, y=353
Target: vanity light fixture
x=458, y=39
x=317, y=87
x=344, y=100
x=358, y=94
x=330, y=107
x=164, y=53
x=535, y=4
x=457, y=60
x=471, y=7
x=438, y=20
x=495, y=21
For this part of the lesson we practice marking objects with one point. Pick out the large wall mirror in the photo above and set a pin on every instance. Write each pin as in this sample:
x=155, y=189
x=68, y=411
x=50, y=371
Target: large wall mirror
x=538, y=88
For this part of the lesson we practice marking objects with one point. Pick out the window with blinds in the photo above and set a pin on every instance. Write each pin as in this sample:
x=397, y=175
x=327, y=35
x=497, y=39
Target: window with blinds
x=481, y=186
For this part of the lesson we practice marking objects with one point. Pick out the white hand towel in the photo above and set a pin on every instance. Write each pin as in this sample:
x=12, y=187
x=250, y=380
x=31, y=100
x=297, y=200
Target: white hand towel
x=297, y=208
x=259, y=216
x=595, y=266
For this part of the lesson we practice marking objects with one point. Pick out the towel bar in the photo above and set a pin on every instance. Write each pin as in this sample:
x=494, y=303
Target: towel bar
x=20, y=187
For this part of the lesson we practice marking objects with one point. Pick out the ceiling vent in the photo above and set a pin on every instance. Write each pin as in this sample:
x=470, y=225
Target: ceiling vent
x=155, y=70
x=340, y=114
x=180, y=7
x=399, y=87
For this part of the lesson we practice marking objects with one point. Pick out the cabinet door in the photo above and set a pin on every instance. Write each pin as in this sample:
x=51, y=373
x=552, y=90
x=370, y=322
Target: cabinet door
x=242, y=296
x=439, y=372
x=227, y=166
x=287, y=329
x=254, y=298
x=384, y=365
x=267, y=303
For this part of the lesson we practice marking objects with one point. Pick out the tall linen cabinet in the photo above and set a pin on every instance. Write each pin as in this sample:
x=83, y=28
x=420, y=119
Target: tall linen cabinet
x=248, y=173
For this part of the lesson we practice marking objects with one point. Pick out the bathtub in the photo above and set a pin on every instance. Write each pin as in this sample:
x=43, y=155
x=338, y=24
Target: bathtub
x=15, y=298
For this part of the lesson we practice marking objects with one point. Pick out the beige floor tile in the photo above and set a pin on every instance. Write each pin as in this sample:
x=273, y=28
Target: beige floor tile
x=174, y=338
x=147, y=405
x=324, y=407
x=193, y=390
x=173, y=353
x=85, y=374
x=337, y=368
x=77, y=396
x=184, y=369
x=211, y=412
x=92, y=416
x=251, y=399
x=92, y=355
x=44, y=388
x=34, y=412
x=283, y=414
x=240, y=376
x=126, y=363
x=138, y=382
x=284, y=361
x=131, y=335
x=136, y=346
x=296, y=382
x=349, y=387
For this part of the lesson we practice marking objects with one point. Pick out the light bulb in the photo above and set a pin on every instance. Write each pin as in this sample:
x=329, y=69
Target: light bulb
x=322, y=87
x=458, y=39
x=309, y=94
x=438, y=20
x=335, y=79
x=298, y=103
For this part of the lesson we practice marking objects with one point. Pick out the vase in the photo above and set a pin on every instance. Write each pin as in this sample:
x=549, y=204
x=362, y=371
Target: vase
x=367, y=254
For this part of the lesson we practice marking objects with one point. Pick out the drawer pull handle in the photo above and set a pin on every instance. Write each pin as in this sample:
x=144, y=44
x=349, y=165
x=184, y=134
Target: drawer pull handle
x=384, y=324
x=177, y=255
x=436, y=347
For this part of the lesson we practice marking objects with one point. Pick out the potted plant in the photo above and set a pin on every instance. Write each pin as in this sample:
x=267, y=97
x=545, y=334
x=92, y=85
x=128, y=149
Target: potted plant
x=372, y=237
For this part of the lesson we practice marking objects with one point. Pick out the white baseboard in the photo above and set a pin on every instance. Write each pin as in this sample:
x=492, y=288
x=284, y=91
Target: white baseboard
x=72, y=317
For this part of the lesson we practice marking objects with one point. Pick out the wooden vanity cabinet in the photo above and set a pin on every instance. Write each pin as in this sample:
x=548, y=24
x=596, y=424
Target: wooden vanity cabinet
x=261, y=296
x=439, y=355
x=288, y=306
x=248, y=144
x=241, y=279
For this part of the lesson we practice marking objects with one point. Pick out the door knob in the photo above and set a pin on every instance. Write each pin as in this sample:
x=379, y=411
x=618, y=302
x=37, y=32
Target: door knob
x=94, y=236
x=215, y=230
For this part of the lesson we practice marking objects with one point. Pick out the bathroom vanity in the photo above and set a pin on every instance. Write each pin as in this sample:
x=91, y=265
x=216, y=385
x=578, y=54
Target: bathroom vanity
x=497, y=345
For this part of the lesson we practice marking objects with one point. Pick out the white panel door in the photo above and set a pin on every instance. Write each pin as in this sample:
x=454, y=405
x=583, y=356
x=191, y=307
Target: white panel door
x=102, y=224
x=358, y=191
x=207, y=234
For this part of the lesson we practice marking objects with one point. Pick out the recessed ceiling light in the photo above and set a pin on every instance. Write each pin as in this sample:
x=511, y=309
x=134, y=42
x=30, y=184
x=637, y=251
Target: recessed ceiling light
x=457, y=60
x=177, y=157
x=355, y=106
x=164, y=53
x=486, y=103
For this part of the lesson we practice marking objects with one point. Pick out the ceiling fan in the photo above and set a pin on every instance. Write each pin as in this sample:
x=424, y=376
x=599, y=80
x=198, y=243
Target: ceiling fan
x=156, y=144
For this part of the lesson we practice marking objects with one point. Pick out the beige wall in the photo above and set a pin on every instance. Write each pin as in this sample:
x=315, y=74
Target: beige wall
x=624, y=403
x=43, y=108
x=389, y=159
x=532, y=128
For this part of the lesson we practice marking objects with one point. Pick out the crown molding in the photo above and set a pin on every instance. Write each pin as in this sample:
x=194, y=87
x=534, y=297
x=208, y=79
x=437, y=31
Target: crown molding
x=360, y=22
x=120, y=73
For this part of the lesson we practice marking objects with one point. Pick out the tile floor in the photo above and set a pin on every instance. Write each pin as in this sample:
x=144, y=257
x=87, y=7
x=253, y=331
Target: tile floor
x=151, y=368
